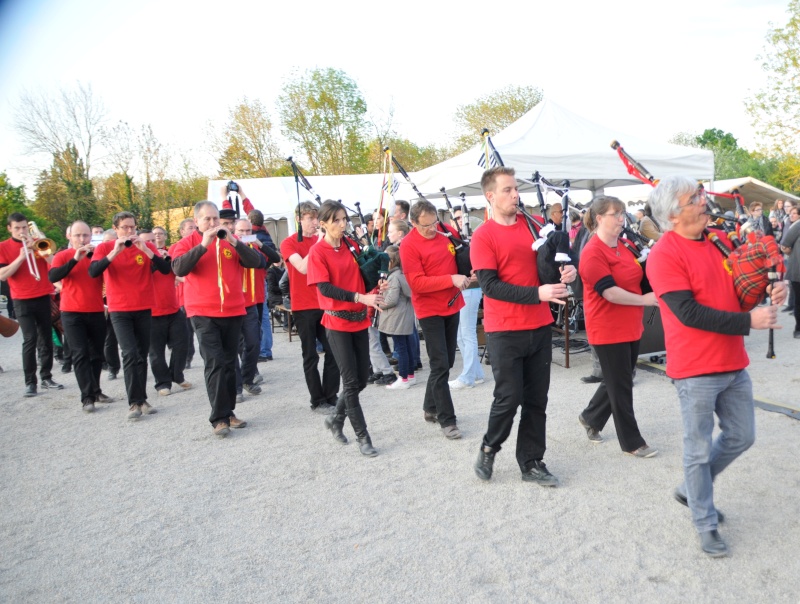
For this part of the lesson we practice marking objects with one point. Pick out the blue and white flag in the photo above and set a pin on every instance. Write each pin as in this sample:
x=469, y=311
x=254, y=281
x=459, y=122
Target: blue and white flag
x=395, y=186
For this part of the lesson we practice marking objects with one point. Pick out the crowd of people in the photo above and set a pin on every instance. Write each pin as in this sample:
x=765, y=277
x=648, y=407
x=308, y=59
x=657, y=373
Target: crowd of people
x=126, y=288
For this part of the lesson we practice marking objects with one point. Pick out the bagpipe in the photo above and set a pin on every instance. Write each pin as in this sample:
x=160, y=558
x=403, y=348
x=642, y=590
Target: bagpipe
x=755, y=263
x=371, y=262
x=461, y=246
x=550, y=244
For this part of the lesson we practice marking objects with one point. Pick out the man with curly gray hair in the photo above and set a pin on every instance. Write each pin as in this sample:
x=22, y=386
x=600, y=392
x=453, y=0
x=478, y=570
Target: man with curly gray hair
x=704, y=327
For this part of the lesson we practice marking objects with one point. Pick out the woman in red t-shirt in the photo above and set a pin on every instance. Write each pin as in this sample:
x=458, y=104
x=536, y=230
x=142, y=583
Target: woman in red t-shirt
x=332, y=267
x=613, y=302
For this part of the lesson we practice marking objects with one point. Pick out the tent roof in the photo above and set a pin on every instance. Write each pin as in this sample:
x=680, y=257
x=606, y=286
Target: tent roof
x=752, y=190
x=562, y=145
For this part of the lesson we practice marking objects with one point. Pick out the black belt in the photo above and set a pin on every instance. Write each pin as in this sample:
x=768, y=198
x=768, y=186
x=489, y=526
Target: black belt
x=348, y=315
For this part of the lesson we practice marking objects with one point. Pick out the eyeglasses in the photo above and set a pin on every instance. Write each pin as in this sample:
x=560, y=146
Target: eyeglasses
x=616, y=215
x=427, y=226
x=696, y=198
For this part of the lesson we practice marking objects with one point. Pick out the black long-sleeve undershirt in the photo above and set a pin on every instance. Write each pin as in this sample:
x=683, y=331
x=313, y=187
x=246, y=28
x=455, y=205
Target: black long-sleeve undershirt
x=693, y=314
x=494, y=288
x=336, y=293
x=57, y=273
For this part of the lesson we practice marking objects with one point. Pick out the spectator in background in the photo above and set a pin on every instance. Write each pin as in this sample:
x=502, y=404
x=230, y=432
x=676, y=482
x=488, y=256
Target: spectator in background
x=401, y=209
x=757, y=221
x=648, y=227
x=256, y=218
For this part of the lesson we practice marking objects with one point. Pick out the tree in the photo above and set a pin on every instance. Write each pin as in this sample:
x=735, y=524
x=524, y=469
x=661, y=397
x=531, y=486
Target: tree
x=246, y=148
x=495, y=111
x=323, y=112
x=49, y=124
x=776, y=108
x=12, y=199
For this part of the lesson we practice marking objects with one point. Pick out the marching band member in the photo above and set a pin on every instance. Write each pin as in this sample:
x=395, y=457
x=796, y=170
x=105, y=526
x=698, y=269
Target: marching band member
x=613, y=305
x=82, y=313
x=307, y=314
x=31, y=301
x=125, y=264
x=215, y=302
x=429, y=264
x=167, y=324
x=341, y=294
x=517, y=321
x=706, y=359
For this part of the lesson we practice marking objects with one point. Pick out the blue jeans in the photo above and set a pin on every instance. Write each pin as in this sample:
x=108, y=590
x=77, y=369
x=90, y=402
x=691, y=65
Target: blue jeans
x=730, y=396
x=468, y=337
x=266, y=333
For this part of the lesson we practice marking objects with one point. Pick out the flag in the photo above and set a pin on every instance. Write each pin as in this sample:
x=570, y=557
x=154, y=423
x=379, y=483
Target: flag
x=492, y=161
x=395, y=186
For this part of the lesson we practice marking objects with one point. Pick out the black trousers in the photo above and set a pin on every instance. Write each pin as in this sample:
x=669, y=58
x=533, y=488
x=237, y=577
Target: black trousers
x=218, y=339
x=521, y=369
x=614, y=396
x=168, y=330
x=249, y=345
x=33, y=316
x=111, y=348
x=133, y=333
x=440, y=342
x=796, y=289
x=310, y=329
x=86, y=332
x=351, y=350
x=190, y=337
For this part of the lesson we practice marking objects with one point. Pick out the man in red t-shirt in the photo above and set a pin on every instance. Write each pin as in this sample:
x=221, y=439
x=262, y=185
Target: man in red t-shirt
x=168, y=323
x=214, y=301
x=517, y=322
x=428, y=259
x=703, y=331
x=306, y=313
x=82, y=313
x=31, y=297
x=125, y=264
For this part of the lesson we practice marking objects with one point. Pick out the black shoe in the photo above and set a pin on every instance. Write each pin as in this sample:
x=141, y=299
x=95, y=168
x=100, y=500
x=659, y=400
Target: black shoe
x=796, y=335
x=681, y=498
x=88, y=406
x=539, y=474
x=374, y=377
x=188, y=365
x=594, y=435
x=112, y=375
x=713, y=544
x=392, y=361
x=419, y=366
x=30, y=390
x=251, y=388
x=365, y=446
x=484, y=464
x=51, y=385
x=66, y=368
x=386, y=379
x=430, y=417
x=102, y=398
x=591, y=379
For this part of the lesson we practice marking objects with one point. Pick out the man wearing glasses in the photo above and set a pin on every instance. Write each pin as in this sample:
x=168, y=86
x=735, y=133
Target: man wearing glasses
x=703, y=329
x=428, y=259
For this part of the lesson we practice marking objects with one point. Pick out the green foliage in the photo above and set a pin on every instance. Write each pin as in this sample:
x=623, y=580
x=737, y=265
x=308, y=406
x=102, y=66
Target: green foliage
x=411, y=156
x=776, y=108
x=12, y=199
x=495, y=111
x=246, y=148
x=323, y=112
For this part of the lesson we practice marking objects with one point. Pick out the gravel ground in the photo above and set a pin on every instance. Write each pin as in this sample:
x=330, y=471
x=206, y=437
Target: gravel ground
x=101, y=509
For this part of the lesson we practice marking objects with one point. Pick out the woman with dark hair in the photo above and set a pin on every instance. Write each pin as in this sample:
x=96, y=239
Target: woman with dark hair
x=613, y=302
x=343, y=298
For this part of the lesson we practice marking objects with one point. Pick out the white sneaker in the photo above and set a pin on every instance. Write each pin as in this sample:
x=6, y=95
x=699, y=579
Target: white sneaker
x=398, y=384
x=479, y=381
x=412, y=381
x=164, y=392
x=457, y=385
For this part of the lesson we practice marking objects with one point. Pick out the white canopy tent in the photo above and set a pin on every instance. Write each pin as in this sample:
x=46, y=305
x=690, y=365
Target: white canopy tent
x=752, y=190
x=562, y=145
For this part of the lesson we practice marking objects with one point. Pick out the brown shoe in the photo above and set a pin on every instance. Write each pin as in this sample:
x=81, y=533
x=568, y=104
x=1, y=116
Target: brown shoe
x=221, y=429
x=147, y=409
x=451, y=432
x=236, y=422
x=185, y=385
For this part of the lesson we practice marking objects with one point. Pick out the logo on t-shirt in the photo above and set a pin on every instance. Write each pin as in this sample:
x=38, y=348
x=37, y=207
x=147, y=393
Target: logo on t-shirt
x=452, y=249
x=227, y=253
x=139, y=259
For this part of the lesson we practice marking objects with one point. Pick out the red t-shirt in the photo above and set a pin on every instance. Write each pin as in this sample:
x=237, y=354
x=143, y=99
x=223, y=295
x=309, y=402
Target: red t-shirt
x=22, y=284
x=338, y=267
x=428, y=265
x=201, y=291
x=165, y=294
x=303, y=295
x=179, y=291
x=608, y=323
x=79, y=291
x=129, y=280
x=680, y=264
x=507, y=250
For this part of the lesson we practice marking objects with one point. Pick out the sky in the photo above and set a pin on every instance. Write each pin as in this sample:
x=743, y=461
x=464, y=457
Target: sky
x=648, y=68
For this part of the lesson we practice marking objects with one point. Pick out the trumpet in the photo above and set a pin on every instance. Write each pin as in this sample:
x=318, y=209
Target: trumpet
x=42, y=247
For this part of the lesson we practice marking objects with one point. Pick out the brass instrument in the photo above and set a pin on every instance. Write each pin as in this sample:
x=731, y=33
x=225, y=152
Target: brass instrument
x=42, y=247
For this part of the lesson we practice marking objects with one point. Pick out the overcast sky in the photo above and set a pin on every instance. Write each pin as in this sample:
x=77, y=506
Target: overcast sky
x=651, y=68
